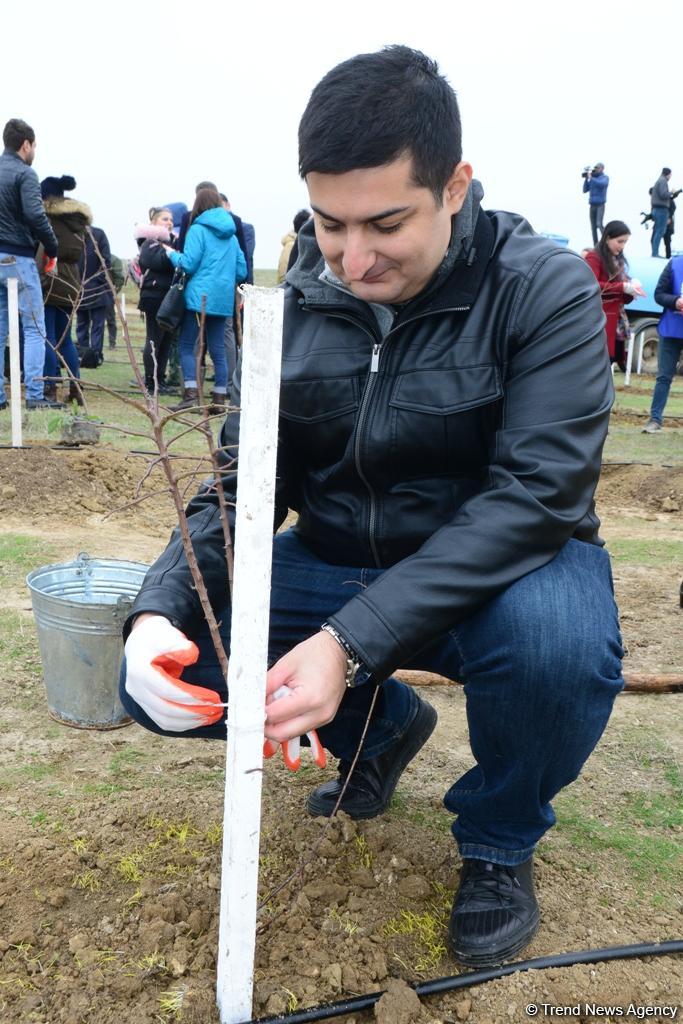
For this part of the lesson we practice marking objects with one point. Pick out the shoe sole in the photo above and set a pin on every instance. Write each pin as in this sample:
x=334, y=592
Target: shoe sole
x=425, y=720
x=494, y=959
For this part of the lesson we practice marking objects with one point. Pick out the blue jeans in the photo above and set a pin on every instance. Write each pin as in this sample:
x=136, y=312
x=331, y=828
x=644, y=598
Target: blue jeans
x=596, y=214
x=215, y=344
x=668, y=354
x=58, y=328
x=31, y=317
x=541, y=664
x=230, y=348
x=660, y=215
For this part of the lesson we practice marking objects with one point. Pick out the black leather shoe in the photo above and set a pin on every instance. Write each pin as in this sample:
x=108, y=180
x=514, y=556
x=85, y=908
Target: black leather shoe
x=495, y=913
x=373, y=782
x=43, y=403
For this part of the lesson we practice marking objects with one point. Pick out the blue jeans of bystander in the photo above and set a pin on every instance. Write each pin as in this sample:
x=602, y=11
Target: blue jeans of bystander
x=215, y=345
x=668, y=353
x=660, y=215
x=58, y=328
x=31, y=317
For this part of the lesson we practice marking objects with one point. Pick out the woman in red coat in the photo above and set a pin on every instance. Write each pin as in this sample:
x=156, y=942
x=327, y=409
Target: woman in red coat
x=608, y=263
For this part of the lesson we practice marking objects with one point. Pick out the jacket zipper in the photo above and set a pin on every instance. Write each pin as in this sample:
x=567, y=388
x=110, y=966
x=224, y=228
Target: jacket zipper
x=363, y=409
x=362, y=413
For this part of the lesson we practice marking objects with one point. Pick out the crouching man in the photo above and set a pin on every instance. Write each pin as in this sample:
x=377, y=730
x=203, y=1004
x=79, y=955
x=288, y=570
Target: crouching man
x=444, y=402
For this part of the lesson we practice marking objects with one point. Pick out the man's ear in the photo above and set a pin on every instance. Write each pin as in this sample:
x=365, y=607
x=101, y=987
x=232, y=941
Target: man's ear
x=456, y=187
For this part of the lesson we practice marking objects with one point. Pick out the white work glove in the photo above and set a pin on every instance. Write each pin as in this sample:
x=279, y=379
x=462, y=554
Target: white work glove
x=156, y=654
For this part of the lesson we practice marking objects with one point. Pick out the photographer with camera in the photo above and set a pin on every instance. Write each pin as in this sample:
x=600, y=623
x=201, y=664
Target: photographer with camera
x=595, y=182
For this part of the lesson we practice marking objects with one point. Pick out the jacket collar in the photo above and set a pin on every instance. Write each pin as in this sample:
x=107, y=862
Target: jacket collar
x=15, y=156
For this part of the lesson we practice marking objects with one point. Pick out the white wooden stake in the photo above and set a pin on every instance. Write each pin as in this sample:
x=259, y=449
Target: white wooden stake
x=14, y=359
x=122, y=300
x=249, y=650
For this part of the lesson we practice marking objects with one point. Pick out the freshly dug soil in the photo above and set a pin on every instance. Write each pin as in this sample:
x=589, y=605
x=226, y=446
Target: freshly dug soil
x=110, y=843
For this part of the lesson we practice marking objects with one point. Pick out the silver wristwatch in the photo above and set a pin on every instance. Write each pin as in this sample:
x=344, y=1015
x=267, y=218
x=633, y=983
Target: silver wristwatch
x=353, y=662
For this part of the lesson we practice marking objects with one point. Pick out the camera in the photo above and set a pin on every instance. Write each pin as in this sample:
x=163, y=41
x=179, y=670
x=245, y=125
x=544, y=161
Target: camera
x=584, y=172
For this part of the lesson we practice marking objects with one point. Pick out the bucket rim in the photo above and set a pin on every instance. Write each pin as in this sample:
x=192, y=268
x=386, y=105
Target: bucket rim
x=80, y=560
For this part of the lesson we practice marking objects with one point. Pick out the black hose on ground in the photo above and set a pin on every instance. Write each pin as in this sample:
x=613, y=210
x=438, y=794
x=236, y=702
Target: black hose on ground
x=325, y=1011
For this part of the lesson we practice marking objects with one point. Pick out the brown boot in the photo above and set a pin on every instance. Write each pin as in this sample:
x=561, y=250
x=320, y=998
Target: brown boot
x=190, y=400
x=75, y=394
x=217, y=406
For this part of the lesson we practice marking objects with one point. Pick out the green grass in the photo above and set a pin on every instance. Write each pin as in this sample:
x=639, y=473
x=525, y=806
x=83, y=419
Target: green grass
x=627, y=443
x=638, y=828
x=124, y=759
x=656, y=810
x=18, y=556
x=265, y=278
x=403, y=808
x=646, y=551
x=645, y=855
x=17, y=640
x=35, y=770
x=24, y=553
x=642, y=747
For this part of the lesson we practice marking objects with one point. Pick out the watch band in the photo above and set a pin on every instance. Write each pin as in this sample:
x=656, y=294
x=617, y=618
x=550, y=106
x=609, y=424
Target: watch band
x=353, y=662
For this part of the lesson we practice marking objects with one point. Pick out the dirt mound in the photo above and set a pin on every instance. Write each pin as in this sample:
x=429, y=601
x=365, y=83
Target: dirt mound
x=651, y=487
x=104, y=480
x=73, y=483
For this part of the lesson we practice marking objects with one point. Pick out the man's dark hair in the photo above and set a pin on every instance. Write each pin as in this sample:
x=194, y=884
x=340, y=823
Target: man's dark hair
x=666, y=170
x=205, y=184
x=16, y=132
x=207, y=199
x=378, y=107
x=300, y=219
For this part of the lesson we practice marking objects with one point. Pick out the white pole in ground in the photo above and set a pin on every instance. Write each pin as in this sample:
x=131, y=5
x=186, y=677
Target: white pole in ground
x=629, y=358
x=122, y=300
x=249, y=650
x=14, y=359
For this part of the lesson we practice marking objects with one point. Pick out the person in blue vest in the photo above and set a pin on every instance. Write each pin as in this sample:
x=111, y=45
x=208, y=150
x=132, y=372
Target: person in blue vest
x=214, y=264
x=595, y=182
x=668, y=293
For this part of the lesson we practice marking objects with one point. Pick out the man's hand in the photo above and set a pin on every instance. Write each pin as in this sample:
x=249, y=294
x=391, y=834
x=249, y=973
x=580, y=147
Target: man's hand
x=315, y=672
x=49, y=264
x=156, y=653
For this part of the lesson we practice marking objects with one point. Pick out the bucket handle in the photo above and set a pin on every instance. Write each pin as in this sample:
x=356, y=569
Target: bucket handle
x=124, y=603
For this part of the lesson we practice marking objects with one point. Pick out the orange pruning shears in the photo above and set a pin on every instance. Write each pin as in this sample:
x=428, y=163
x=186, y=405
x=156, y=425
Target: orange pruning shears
x=291, y=749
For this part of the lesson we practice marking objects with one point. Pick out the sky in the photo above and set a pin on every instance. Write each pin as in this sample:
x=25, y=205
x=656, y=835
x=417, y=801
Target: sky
x=141, y=100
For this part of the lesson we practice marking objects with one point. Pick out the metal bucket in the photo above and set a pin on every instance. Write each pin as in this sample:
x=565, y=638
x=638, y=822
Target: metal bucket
x=80, y=608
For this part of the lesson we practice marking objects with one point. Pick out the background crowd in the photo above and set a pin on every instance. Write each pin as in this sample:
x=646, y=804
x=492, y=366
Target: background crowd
x=68, y=277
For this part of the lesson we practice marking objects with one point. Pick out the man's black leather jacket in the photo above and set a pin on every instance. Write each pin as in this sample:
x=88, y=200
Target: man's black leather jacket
x=23, y=220
x=461, y=451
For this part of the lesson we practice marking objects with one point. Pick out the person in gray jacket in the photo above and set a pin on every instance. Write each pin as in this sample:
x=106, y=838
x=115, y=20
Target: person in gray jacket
x=660, y=199
x=445, y=397
x=24, y=223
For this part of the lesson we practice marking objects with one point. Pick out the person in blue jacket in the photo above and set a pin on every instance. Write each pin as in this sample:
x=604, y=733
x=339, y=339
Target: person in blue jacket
x=595, y=182
x=668, y=293
x=214, y=264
